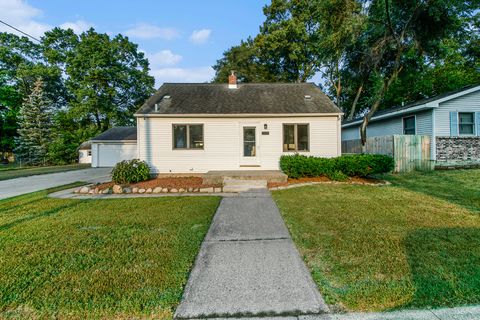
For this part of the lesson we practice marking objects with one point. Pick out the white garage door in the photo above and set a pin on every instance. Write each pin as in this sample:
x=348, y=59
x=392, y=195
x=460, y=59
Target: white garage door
x=110, y=154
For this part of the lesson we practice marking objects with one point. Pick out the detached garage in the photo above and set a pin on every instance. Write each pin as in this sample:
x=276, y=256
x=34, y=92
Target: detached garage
x=114, y=145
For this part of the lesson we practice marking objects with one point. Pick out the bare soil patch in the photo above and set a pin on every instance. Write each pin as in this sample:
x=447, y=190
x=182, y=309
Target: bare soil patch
x=357, y=180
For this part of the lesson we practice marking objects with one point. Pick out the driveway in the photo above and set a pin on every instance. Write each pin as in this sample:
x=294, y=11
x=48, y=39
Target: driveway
x=19, y=186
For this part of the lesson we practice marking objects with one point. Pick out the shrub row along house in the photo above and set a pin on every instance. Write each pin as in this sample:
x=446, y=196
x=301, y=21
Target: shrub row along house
x=195, y=128
x=451, y=120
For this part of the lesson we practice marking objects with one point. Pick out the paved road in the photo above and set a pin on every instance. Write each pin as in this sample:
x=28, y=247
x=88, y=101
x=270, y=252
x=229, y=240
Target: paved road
x=248, y=265
x=16, y=187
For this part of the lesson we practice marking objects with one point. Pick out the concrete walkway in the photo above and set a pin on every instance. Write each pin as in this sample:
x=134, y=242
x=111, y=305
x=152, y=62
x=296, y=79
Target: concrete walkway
x=249, y=266
x=15, y=187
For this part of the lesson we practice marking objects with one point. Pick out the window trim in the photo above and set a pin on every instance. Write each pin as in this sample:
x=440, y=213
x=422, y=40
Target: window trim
x=473, y=124
x=187, y=125
x=415, y=126
x=295, y=136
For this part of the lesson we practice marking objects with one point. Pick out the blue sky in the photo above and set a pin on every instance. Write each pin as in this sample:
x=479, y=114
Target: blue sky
x=182, y=39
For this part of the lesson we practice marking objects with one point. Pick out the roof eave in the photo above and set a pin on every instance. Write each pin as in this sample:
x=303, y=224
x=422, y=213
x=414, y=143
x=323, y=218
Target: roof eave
x=236, y=115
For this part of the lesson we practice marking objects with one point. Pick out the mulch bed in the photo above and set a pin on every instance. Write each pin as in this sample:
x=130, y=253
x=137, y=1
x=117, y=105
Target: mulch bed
x=173, y=182
x=321, y=179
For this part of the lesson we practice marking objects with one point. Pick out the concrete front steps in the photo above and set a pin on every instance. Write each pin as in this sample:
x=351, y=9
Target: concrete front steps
x=236, y=185
x=217, y=177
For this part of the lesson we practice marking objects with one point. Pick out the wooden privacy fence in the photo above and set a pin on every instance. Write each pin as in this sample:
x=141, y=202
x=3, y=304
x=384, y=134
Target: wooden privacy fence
x=410, y=152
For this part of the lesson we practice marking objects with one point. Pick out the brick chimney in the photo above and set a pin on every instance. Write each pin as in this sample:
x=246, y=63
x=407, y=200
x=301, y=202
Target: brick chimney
x=232, y=80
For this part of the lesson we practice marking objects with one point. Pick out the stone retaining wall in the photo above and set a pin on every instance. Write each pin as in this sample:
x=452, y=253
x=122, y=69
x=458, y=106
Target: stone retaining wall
x=458, y=150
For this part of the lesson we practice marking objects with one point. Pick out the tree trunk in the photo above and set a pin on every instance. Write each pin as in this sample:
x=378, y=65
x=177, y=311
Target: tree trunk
x=355, y=101
x=376, y=104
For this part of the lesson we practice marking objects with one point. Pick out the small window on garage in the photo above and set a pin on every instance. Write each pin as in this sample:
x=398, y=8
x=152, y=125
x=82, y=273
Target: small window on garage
x=295, y=137
x=188, y=136
x=409, y=124
x=466, y=123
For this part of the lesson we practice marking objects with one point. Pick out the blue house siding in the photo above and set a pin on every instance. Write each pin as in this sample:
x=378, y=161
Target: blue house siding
x=390, y=126
x=466, y=103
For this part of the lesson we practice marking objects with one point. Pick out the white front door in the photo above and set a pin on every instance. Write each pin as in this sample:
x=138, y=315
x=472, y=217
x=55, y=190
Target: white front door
x=249, y=147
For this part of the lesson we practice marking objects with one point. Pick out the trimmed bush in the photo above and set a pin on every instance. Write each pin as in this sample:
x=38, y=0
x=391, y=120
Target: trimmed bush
x=356, y=165
x=130, y=171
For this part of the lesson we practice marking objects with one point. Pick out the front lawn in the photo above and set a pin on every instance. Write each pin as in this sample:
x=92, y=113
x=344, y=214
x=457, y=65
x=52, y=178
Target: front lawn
x=120, y=258
x=12, y=172
x=381, y=248
x=458, y=186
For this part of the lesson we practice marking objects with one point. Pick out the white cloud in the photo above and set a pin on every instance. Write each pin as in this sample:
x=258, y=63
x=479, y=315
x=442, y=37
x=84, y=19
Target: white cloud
x=164, y=58
x=148, y=31
x=22, y=16
x=78, y=26
x=200, y=36
x=198, y=74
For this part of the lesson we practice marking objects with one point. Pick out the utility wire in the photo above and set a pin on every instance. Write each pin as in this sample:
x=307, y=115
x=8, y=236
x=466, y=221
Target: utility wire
x=8, y=25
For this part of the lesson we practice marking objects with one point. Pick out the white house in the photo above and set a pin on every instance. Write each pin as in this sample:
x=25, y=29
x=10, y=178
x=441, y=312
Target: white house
x=195, y=128
x=452, y=120
x=85, y=153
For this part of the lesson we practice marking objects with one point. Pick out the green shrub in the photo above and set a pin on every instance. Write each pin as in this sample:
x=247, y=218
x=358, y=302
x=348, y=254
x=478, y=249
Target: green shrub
x=357, y=165
x=130, y=171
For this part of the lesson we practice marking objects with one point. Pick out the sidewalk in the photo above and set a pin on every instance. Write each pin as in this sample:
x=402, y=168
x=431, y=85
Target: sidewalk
x=249, y=266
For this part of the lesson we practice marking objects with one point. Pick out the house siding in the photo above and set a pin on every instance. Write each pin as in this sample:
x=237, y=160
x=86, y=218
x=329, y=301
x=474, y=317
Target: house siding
x=391, y=126
x=222, y=143
x=466, y=103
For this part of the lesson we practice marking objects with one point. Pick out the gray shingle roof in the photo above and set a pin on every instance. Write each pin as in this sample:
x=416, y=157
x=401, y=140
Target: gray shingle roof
x=248, y=98
x=117, y=134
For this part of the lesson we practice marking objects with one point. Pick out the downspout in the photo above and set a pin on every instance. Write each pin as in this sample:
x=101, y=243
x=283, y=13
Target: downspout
x=433, y=152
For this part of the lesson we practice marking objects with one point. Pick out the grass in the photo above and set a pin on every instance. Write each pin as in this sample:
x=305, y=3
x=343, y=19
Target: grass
x=12, y=171
x=78, y=259
x=383, y=248
x=457, y=186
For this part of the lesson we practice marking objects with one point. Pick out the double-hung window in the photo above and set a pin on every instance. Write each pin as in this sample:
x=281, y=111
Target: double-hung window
x=409, y=124
x=296, y=137
x=466, y=123
x=188, y=136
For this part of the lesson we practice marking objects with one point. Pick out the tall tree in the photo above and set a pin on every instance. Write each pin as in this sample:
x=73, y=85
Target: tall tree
x=34, y=132
x=247, y=62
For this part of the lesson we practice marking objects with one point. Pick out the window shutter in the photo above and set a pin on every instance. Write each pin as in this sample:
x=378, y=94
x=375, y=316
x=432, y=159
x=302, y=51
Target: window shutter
x=477, y=123
x=453, y=123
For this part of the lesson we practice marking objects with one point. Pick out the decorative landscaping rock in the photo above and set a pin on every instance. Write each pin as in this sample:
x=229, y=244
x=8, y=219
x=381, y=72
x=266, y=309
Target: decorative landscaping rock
x=117, y=189
x=190, y=189
x=165, y=190
x=127, y=190
x=135, y=190
x=84, y=190
x=206, y=190
x=149, y=190
x=106, y=191
x=157, y=190
x=173, y=190
x=218, y=189
x=141, y=190
x=91, y=191
x=181, y=190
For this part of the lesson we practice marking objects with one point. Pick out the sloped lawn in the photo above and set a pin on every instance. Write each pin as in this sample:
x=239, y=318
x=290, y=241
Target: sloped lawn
x=109, y=259
x=381, y=248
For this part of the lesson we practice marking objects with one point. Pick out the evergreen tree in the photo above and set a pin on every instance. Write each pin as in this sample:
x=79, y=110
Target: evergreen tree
x=35, y=127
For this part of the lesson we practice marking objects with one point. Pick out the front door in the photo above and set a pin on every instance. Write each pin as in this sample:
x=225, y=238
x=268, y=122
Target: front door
x=249, y=145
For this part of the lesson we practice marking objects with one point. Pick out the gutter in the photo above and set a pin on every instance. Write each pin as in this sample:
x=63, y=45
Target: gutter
x=239, y=115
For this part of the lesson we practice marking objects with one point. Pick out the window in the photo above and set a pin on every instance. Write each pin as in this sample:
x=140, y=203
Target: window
x=409, y=125
x=249, y=141
x=466, y=123
x=188, y=136
x=295, y=137
x=89, y=153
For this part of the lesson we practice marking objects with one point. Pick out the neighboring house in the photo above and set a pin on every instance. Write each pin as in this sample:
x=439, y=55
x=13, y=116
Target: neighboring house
x=452, y=120
x=195, y=128
x=114, y=145
x=85, y=152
